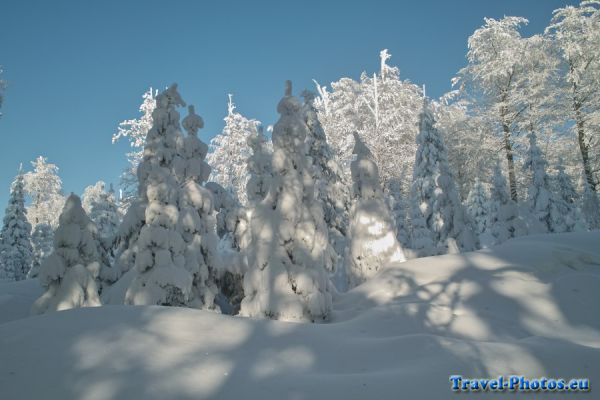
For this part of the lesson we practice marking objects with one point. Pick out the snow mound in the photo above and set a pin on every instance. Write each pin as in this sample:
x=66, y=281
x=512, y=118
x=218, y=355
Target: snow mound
x=526, y=307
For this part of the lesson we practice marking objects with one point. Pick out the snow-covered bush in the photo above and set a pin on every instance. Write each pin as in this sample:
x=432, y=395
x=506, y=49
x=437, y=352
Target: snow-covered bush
x=69, y=274
x=287, y=276
x=371, y=237
x=15, y=241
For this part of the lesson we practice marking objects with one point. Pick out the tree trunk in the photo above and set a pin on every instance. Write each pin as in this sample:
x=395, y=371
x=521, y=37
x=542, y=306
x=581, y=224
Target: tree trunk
x=512, y=180
x=583, y=147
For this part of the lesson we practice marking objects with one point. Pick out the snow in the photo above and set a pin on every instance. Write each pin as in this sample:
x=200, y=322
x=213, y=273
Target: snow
x=526, y=307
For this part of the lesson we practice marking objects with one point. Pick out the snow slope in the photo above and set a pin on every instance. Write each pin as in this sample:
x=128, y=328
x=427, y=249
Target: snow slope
x=528, y=307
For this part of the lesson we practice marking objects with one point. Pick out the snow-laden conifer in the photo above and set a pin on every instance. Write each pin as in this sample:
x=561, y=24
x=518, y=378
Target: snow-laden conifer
x=69, y=274
x=287, y=276
x=372, y=242
x=15, y=242
x=435, y=202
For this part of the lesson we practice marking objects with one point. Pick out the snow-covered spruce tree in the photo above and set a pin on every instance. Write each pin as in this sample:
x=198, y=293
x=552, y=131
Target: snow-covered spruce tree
x=196, y=215
x=155, y=245
x=44, y=187
x=69, y=274
x=591, y=207
x=102, y=209
x=435, y=202
x=327, y=176
x=229, y=151
x=135, y=130
x=287, y=276
x=477, y=208
x=41, y=240
x=504, y=215
x=15, y=241
x=542, y=202
x=232, y=227
x=567, y=200
x=259, y=168
x=372, y=242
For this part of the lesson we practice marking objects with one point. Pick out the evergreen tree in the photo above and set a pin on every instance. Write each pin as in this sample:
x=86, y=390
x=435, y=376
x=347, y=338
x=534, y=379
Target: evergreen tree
x=477, y=208
x=566, y=201
x=15, y=242
x=102, y=209
x=372, y=240
x=327, y=175
x=155, y=245
x=436, y=204
x=197, y=216
x=287, y=258
x=542, y=203
x=69, y=274
x=503, y=210
x=41, y=240
x=259, y=168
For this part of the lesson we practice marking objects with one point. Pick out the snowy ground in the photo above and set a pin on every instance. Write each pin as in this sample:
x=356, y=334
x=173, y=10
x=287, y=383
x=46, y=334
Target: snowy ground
x=529, y=307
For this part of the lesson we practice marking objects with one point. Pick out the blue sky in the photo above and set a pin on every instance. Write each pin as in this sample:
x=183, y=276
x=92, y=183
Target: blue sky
x=75, y=69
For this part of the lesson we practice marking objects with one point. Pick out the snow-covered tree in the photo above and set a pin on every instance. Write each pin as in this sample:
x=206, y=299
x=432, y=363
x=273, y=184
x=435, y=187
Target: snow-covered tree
x=287, y=277
x=472, y=151
x=157, y=248
x=496, y=75
x=44, y=187
x=229, y=151
x=102, y=209
x=232, y=229
x=542, y=202
x=435, y=201
x=328, y=178
x=135, y=130
x=197, y=218
x=259, y=168
x=15, y=241
x=575, y=32
x=384, y=110
x=69, y=274
x=567, y=200
x=41, y=240
x=591, y=207
x=371, y=236
x=477, y=208
x=168, y=233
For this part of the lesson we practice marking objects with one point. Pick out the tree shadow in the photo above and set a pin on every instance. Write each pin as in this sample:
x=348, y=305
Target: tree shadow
x=401, y=334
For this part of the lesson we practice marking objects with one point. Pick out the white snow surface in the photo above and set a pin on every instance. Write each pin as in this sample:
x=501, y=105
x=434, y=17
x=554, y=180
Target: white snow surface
x=526, y=307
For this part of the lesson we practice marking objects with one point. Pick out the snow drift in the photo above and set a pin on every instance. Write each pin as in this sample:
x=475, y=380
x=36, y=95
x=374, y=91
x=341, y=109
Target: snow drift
x=527, y=307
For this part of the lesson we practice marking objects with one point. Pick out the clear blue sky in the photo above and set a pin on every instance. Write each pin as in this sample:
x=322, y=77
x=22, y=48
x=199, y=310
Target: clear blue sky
x=77, y=68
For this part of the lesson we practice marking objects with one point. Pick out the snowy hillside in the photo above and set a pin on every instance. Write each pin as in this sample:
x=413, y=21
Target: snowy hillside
x=527, y=307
